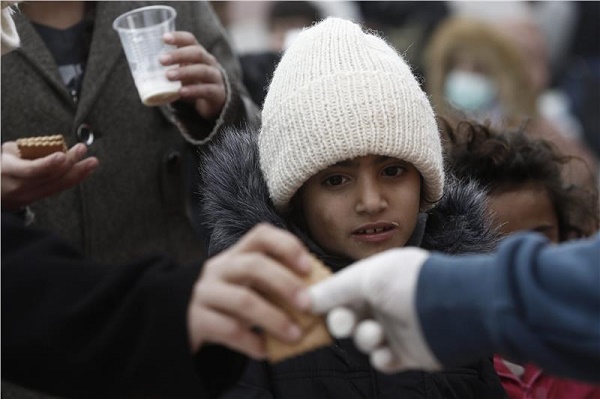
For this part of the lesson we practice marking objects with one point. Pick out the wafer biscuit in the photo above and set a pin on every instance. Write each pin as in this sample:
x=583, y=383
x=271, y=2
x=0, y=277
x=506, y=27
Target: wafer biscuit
x=38, y=147
x=314, y=328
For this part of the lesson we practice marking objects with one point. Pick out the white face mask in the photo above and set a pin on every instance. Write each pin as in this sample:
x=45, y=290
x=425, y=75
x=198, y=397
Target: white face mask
x=469, y=91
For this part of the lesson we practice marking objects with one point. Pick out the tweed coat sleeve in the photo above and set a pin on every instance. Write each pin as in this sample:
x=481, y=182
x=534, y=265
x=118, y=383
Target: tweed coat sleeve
x=199, y=18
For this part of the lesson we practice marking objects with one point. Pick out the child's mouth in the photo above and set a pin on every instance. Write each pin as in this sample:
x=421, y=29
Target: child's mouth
x=375, y=233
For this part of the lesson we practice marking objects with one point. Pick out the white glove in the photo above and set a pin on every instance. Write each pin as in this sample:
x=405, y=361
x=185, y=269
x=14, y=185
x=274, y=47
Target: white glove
x=380, y=291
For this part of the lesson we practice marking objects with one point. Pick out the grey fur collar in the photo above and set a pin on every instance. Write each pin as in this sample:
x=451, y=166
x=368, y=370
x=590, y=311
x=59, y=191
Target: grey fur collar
x=236, y=198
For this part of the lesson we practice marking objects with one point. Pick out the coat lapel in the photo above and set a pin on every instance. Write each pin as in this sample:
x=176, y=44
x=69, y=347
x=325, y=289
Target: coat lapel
x=105, y=50
x=34, y=50
x=104, y=53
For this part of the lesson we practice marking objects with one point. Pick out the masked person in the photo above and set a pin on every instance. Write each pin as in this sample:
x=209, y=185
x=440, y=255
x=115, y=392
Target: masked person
x=476, y=68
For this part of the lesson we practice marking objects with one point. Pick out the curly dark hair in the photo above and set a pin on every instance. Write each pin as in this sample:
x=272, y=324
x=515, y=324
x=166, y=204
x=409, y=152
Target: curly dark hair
x=500, y=160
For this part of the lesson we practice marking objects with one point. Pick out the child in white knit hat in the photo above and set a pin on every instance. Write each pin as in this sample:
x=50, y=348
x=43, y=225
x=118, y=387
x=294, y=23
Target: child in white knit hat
x=348, y=158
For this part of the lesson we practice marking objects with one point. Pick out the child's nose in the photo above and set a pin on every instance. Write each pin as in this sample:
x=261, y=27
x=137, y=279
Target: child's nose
x=370, y=198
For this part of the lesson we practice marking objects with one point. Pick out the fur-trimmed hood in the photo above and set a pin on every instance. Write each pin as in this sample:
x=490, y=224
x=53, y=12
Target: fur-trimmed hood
x=236, y=199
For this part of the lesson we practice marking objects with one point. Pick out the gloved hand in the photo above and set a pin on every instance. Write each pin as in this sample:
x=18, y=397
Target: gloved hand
x=379, y=291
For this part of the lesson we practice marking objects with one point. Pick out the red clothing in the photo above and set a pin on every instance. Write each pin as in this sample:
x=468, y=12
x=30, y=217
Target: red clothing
x=535, y=384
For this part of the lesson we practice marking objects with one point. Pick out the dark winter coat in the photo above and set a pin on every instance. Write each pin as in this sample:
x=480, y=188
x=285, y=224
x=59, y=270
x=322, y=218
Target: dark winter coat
x=84, y=329
x=237, y=199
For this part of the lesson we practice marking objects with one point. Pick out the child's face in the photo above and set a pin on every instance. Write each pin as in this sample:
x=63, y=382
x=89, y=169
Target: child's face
x=362, y=206
x=524, y=208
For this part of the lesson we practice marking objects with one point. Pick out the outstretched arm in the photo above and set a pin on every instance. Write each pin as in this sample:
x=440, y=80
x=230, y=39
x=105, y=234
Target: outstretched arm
x=530, y=301
x=74, y=327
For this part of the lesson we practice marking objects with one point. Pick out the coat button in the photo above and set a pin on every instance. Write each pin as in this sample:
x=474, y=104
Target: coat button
x=173, y=161
x=85, y=134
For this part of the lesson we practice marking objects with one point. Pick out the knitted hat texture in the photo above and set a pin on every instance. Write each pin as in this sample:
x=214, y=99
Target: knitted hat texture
x=339, y=93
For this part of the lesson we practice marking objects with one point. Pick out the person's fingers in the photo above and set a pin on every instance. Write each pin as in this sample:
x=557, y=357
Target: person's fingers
x=341, y=322
x=281, y=245
x=265, y=275
x=45, y=168
x=244, y=304
x=25, y=181
x=76, y=153
x=79, y=172
x=74, y=176
x=368, y=336
x=384, y=360
x=208, y=92
x=40, y=189
x=10, y=147
x=341, y=289
x=37, y=169
x=71, y=158
x=192, y=53
x=206, y=325
x=196, y=73
x=180, y=38
x=47, y=171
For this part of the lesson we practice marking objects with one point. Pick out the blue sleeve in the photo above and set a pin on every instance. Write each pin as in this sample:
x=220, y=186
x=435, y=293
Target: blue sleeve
x=530, y=301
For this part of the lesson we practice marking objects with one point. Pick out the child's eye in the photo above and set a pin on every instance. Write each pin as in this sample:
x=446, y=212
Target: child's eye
x=334, y=180
x=393, y=171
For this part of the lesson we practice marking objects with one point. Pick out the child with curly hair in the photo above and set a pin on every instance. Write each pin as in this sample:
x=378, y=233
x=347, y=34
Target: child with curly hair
x=525, y=190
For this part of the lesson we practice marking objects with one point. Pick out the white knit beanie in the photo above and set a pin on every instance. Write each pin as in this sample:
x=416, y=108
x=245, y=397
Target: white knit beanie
x=339, y=93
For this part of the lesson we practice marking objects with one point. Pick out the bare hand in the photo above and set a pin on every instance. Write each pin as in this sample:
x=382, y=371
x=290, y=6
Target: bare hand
x=227, y=304
x=199, y=73
x=26, y=181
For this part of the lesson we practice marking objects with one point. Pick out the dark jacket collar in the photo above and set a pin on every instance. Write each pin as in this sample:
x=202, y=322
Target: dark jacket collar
x=236, y=198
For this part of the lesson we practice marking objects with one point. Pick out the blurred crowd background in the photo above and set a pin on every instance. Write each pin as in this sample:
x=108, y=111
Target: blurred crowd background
x=540, y=60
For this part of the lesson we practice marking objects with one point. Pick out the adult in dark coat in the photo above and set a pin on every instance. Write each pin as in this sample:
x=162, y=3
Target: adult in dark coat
x=239, y=199
x=109, y=331
x=137, y=201
x=79, y=328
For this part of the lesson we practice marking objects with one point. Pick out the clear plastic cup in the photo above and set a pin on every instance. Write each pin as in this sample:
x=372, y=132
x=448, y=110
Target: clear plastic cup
x=141, y=32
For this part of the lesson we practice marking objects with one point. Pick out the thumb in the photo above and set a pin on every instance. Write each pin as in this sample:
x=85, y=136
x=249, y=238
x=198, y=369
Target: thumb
x=342, y=288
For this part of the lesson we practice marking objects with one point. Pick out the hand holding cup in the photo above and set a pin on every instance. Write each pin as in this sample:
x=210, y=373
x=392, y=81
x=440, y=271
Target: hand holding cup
x=198, y=71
